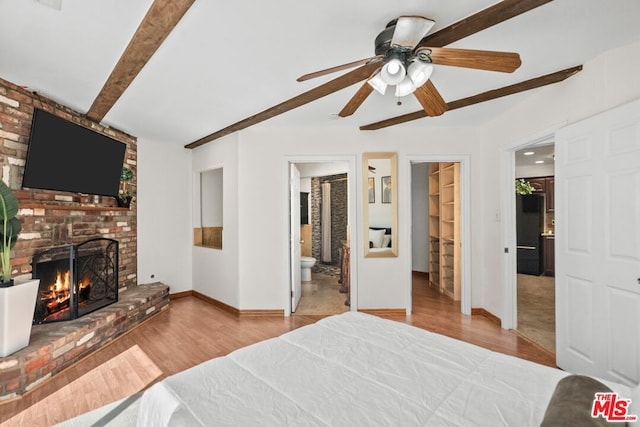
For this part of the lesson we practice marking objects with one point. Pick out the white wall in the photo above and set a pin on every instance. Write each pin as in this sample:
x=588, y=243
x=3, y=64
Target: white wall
x=314, y=169
x=164, y=212
x=605, y=82
x=420, y=217
x=215, y=271
x=305, y=185
x=252, y=270
x=263, y=152
x=532, y=171
x=211, y=199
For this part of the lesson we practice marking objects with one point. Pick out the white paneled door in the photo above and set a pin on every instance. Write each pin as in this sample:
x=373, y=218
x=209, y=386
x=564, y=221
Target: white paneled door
x=597, y=213
x=294, y=207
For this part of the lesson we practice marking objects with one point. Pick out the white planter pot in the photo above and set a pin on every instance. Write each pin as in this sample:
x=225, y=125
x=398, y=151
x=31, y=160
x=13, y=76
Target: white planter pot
x=17, y=304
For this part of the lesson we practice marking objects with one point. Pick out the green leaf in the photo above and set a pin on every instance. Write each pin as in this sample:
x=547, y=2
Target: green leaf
x=10, y=200
x=523, y=187
x=14, y=226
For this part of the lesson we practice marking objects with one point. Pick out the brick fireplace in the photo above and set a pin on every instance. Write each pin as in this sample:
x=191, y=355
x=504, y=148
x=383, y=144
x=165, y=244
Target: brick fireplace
x=52, y=219
x=56, y=218
x=75, y=279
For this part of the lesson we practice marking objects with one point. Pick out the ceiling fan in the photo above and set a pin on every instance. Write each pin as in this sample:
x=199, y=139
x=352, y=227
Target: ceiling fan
x=404, y=59
x=391, y=44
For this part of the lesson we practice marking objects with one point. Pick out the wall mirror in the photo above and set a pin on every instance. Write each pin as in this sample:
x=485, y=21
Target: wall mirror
x=380, y=204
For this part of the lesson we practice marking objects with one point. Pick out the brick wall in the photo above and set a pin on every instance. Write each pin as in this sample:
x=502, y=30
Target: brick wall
x=339, y=219
x=53, y=218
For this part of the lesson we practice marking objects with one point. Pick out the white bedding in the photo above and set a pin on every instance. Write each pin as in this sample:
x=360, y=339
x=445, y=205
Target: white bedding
x=356, y=369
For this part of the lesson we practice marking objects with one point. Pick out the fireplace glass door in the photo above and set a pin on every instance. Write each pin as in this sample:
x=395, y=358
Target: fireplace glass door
x=75, y=279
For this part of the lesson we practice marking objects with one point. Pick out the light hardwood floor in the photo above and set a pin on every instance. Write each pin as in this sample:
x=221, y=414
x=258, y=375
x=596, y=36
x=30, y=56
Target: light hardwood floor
x=192, y=331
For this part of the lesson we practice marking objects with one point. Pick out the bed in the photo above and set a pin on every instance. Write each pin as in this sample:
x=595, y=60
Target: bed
x=356, y=369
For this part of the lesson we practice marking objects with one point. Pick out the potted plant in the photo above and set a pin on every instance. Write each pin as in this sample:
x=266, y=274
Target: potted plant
x=10, y=229
x=126, y=194
x=17, y=299
x=523, y=187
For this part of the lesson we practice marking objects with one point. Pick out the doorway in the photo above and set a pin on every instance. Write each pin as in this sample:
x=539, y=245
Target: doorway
x=322, y=210
x=439, y=196
x=534, y=211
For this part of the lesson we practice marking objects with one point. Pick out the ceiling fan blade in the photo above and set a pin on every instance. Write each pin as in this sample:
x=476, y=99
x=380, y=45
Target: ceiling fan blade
x=336, y=68
x=534, y=83
x=430, y=99
x=506, y=62
x=409, y=30
x=499, y=12
x=356, y=101
x=318, y=92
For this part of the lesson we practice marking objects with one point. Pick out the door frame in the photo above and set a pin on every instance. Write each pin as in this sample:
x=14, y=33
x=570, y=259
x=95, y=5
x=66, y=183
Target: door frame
x=465, y=225
x=295, y=248
x=353, y=224
x=507, y=215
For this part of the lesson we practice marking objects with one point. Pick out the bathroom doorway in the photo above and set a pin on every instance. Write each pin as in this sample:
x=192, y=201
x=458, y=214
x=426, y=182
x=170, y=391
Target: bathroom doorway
x=322, y=210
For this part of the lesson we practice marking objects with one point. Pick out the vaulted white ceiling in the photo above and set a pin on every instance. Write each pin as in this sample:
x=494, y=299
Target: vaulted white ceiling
x=226, y=61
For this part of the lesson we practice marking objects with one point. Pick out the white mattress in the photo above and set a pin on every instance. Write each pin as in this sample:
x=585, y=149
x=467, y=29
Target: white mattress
x=356, y=369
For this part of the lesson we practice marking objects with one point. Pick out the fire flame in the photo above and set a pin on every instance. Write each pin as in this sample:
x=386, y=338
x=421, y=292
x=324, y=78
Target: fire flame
x=59, y=292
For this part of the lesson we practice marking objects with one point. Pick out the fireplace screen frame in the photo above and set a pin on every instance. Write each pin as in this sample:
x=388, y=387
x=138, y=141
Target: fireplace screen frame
x=98, y=257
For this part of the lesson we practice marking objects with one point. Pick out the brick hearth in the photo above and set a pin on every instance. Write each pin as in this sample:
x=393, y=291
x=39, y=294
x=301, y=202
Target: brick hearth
x=55, y=346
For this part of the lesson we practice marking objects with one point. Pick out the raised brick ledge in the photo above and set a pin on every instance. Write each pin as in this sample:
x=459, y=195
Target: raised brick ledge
x=55, y=346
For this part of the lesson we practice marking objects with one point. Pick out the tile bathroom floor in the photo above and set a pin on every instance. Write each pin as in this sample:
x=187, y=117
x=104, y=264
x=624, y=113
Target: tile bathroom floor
x=321, y=296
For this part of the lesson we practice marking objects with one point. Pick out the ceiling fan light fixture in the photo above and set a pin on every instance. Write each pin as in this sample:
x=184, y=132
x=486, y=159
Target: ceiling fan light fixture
x=409, y=30
x=378, y=83
x=419, y=72
x=393, y=72
x=405, y=87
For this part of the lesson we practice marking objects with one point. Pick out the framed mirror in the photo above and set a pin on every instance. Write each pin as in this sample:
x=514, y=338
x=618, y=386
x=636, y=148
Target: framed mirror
x=380, y=204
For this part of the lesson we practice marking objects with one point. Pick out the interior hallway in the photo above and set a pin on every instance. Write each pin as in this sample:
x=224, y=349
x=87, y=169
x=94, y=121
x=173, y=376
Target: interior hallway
x=537, y=310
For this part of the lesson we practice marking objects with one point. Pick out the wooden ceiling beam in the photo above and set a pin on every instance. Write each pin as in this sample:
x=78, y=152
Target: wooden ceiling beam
x=499, y=12
x=159, y=21
x=486, y=18
x=536, y=82
x=352, y=77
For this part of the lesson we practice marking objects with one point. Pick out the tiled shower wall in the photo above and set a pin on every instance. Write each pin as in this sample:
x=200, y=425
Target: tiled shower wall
x=339, y=220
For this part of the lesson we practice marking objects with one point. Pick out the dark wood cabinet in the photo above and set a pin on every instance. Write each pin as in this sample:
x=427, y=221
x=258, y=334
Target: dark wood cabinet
x=548, y=254
x=539, y=184
x=544, y=185
x=549, y=184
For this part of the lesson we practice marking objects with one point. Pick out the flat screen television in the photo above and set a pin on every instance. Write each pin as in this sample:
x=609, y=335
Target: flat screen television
x=65, y=156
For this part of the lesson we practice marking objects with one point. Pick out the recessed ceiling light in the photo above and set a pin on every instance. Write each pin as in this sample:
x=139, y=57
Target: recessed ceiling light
x=529, y=153
x=539, y=161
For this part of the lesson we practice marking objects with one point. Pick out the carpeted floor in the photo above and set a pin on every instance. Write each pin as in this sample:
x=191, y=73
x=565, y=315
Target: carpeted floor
x=536, y=310
x=321, y=296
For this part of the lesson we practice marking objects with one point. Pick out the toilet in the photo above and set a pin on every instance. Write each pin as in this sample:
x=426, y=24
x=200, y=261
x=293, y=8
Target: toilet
x=306, y=262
